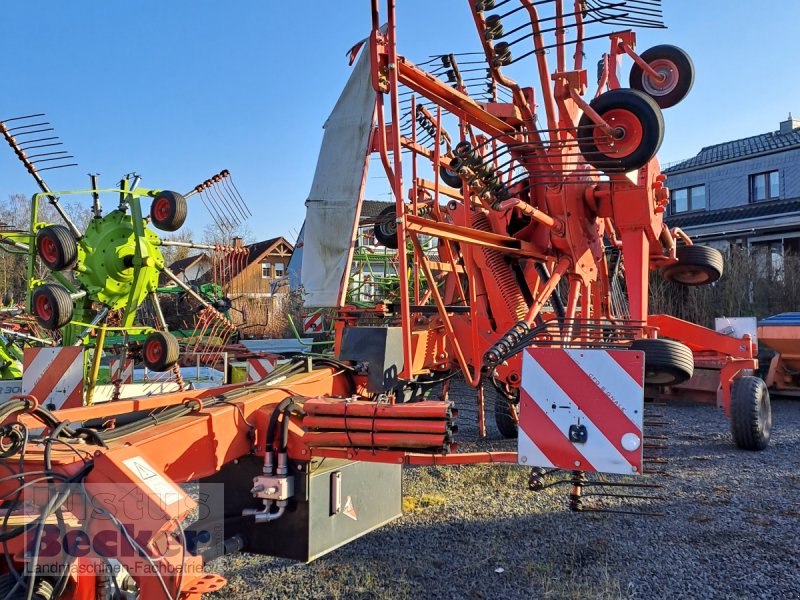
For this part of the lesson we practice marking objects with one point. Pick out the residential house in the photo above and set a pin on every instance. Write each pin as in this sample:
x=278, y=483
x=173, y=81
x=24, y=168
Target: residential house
x=744, y=192
x=189, y=269
x=256, y=282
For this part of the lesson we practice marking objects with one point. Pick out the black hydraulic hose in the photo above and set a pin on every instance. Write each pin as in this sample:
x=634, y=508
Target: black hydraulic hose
x=349, y=370
x=152, y=419
x=140, y=423
x=20, y=529
x=294, y=405
x=273, y=422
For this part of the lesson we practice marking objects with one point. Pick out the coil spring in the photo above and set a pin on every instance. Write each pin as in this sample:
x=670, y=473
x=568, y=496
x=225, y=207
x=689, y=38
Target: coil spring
x=503, y=275
x=536, y=480
x=502, y=54
x=494, y=28
x=482, y=175
x=502, y=347
x=575, y=499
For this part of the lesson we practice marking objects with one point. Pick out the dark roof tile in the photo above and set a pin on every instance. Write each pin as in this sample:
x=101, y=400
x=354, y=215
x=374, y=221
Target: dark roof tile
x=737, y=213
x=737, y=149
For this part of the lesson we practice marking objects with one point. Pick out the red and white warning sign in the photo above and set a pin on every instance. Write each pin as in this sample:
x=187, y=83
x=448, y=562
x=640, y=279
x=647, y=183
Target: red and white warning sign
x=122, y=370
x=168, y=493
x=258, y=368
x=313, y=323
x=54, y=376
x=349, y=509
x=582, y=410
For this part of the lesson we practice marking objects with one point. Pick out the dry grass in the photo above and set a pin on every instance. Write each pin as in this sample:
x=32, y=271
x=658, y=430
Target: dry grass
x=751, y=285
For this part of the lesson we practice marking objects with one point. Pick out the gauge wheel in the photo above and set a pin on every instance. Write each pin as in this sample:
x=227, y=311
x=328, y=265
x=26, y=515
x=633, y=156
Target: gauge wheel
x=666, y=362
x=168, y=211
x=506, y=416
x=57, y=247
x=676, y=69
x=751, y=413
x=697, y=265
x=386, y=228
x=638, y=130
x=52, y=306
x=160, y=351
x=450, y=177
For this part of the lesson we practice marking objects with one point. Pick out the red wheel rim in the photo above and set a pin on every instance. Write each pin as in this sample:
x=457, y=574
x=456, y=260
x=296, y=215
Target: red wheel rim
x=153, y=352
x=48, y=249
x=628, y=134
x=43, y=307
x=161, y=209
x=670, y=74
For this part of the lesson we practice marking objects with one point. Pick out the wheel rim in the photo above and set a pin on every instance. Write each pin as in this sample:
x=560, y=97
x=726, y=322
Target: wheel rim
x=161, y=210
x=388, y=229
x=628, y=134
x=659, y=377
x=691, y=275
x=670, y=74
x=763, y=417
x=153, y=352
x=48, y=249
x=43, y=307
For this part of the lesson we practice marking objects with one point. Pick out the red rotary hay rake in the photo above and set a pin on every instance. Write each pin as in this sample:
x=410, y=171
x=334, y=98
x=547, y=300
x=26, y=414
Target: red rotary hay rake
x=546, y=237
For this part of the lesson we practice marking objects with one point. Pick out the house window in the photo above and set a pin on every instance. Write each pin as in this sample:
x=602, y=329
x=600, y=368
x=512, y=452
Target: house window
x=266, y=270
x=765, y=186
x=278, y=270
x=688, y=199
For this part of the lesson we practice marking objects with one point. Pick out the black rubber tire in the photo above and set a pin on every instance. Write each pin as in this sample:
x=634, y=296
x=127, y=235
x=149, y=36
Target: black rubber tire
x=52, y=306
x=504, y=419
x=386, y=228
x=672, y=62
x=450, y=178
x=697, y=265
x=168, y=211
x=751, y=413
x=666, y=362
x=56, y=247
x=635, y=105
x=160, y=351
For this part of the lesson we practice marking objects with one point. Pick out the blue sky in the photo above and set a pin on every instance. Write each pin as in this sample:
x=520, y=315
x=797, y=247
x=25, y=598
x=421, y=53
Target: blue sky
x=178, y=90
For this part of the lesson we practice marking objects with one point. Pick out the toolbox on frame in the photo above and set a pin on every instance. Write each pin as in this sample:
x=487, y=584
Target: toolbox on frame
x=335, y=502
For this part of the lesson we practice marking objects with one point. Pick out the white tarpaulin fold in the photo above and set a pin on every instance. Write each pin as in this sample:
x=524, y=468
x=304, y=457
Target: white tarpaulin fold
x=333, y=202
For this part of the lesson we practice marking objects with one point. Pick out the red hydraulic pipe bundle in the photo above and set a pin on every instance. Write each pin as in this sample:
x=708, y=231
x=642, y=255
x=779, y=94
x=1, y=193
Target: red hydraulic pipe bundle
x=344, y=423
x=377, y=425
x=368, y=439
x=427, y=409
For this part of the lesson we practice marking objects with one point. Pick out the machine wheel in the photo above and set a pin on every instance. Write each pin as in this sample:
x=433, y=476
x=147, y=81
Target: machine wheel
x=450, y=177
x=639, y=130
x=52, y=306
x=386, y=228
x=504, y=418
x=697, y=265
x=676, y=68
x=751, y=414
x=57, y=247
x=160, y=351
x=666, y=362
x=168, y=211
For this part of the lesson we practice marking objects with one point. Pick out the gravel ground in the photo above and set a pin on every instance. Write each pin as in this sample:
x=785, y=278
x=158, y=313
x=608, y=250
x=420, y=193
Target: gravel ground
x=730, y=530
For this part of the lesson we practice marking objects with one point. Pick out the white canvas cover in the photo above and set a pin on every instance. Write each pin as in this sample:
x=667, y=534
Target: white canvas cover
x=334, y=200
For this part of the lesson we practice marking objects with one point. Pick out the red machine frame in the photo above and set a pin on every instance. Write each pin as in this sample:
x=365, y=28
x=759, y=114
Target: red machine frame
x=501, y=259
